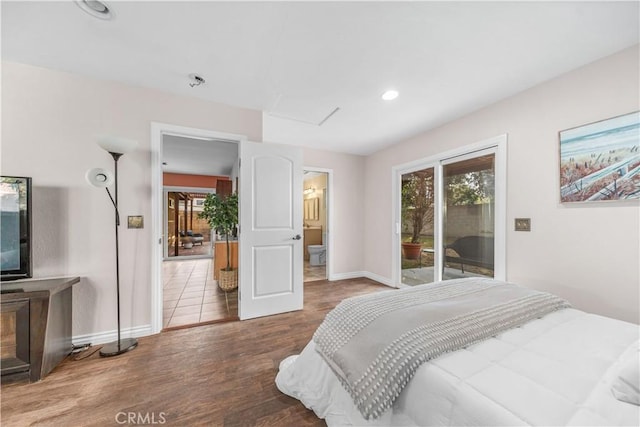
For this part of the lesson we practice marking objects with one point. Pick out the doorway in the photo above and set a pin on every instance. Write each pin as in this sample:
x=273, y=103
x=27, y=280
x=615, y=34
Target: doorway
x=315, y=224
x=450, y=215
x=188, y=164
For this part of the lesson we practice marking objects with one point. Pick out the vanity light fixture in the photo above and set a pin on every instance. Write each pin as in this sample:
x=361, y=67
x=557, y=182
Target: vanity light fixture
x=390, y=95
x=95, y=8
x=309, y=190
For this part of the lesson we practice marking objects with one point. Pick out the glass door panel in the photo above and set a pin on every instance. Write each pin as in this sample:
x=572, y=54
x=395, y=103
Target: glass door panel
x=417, y=227
x=469, y=217
x=187, y=234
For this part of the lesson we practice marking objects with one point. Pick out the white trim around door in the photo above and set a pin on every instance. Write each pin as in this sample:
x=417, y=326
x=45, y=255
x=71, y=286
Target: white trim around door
x=158, y=130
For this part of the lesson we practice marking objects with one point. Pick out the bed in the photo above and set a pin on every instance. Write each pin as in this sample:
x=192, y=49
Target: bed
x=563, y=367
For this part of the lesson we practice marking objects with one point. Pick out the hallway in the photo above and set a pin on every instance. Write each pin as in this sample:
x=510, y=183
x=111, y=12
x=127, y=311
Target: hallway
x=191, y=295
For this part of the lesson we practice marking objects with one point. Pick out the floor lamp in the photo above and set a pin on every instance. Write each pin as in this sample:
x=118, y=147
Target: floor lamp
x=99, y=177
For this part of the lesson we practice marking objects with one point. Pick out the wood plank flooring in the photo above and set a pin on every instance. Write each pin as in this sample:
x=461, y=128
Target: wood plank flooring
x=213, y=375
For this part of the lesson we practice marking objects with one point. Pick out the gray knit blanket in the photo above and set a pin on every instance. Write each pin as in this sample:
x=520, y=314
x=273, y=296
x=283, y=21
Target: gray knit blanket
x=375, y=343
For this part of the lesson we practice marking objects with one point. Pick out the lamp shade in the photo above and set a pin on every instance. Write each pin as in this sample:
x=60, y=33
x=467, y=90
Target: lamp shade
x=99, y=177
x=114, y=144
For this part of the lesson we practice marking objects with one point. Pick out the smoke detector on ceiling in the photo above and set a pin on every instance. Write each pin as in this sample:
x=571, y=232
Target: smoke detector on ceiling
x=95, y=8
x=196, y=80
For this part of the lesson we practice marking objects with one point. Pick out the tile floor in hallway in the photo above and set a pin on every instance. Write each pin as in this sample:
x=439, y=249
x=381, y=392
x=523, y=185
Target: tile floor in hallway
x=192, y=296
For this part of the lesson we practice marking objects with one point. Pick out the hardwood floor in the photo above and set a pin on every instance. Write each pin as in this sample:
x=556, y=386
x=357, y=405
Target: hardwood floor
x=213, y=375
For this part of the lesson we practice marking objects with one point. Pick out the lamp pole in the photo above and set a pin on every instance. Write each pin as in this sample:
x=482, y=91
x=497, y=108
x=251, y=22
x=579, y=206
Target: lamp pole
x=120, y=346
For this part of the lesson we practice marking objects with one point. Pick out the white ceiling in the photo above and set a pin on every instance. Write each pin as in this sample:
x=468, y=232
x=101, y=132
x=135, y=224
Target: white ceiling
x=299, y=61
x=198, y=156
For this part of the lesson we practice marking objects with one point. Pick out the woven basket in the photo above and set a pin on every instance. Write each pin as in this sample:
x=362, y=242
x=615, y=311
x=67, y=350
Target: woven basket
x=228, y=280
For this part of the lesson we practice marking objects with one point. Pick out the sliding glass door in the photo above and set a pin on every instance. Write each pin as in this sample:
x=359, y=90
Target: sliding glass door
x=186, y=233
x=450, y=220
x=418, y=224
x=469, y=216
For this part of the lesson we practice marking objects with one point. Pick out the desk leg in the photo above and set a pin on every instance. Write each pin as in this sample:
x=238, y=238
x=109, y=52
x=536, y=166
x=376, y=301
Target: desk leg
x=39, y=310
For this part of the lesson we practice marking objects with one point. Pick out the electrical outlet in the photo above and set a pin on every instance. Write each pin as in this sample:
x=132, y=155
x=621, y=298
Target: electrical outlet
x=523, y=224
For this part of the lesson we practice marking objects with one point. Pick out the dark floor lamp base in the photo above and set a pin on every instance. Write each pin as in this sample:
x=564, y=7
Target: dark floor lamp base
x=112, y=349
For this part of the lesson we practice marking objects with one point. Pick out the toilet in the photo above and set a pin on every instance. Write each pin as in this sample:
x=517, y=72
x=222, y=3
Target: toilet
x=317, y=255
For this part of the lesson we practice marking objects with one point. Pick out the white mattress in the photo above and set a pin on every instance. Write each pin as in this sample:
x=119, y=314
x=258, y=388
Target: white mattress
x=556, y=370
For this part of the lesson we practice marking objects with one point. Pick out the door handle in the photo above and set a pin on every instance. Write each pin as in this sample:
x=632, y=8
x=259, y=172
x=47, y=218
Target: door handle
x=297, y=237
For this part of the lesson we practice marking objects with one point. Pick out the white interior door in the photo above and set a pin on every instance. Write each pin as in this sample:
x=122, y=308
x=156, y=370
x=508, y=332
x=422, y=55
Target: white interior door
x=270, y=268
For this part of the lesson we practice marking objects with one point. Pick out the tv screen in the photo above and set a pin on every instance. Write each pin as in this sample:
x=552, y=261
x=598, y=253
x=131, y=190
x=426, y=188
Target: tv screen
x=15, y=227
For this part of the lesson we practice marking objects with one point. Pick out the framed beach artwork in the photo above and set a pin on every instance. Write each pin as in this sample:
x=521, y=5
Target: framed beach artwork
x=601, y=161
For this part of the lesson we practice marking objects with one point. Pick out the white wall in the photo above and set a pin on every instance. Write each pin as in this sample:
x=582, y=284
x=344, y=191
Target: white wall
x=348, y=199
x=49, y=123
x=587, y=253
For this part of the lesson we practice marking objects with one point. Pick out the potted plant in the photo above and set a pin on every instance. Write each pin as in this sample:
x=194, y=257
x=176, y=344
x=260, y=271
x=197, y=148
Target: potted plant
x=417, y=208
x=221, y=212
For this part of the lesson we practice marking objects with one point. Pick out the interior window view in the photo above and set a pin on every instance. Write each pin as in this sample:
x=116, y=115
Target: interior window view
x=200, y=266
x=468, y=194
x=315, y=225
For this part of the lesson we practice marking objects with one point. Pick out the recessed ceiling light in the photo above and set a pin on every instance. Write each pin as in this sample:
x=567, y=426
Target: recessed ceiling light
x=390, y=95
x=95, y=8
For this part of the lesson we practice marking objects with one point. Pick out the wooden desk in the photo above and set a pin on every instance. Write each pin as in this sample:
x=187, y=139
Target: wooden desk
x=220, y=256
x=36, y=327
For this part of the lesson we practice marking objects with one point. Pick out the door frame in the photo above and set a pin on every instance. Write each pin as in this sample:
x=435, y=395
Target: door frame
x=158, y=130
x=329, y=213
x=499, y=146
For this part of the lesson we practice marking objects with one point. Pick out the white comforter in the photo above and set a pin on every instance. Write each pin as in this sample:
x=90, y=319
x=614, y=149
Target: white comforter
x=556, y=370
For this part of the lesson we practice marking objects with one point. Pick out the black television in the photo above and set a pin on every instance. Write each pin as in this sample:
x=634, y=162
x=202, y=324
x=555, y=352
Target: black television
x=15, y=228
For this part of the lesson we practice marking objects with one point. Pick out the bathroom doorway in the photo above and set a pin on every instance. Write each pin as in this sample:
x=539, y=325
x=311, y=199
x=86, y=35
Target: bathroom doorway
x=315, y=224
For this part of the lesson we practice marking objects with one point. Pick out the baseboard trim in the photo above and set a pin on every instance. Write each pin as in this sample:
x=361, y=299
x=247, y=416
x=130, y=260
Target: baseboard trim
x=109, y=336
x=367, y=274
x=378, y=278
x=344, y=276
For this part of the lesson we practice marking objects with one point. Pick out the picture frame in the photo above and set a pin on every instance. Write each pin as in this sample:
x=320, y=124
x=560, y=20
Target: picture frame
x=600, y=161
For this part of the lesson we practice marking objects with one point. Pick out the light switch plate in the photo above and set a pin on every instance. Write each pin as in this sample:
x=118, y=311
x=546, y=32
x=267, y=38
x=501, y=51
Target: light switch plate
x=523, y=224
